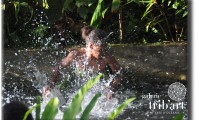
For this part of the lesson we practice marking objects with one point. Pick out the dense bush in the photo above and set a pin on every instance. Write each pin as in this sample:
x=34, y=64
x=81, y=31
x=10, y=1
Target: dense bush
x=38, y=23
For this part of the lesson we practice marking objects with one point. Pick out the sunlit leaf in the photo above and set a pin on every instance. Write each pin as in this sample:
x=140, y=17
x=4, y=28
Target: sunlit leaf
x=104, y=11
x=16, y=5
x=151, y=3
x=90, y=4
x=136, y=1
x=144, y=1
x=178, y=117
x=86, y=113
x=96, y=17
x=3, y=6
x=51, y=109
x=154, y=30
x=75, y=106
x=29, y=111
x=120, y=108
x=185, y=13
x=45, y=4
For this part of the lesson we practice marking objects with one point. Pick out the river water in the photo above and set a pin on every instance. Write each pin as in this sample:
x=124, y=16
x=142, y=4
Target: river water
x=25, y=72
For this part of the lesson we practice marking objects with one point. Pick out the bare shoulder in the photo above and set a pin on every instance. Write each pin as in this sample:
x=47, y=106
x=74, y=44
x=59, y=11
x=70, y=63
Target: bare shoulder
x=77, y=52
x=72, y=56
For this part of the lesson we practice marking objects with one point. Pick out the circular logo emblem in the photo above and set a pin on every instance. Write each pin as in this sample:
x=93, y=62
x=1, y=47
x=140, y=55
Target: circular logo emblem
x=177, y=91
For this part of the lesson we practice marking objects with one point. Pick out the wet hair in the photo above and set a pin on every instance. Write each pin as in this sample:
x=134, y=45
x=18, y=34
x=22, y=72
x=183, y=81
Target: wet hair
x=98, y=37
x=86, y=31
x=15, y=111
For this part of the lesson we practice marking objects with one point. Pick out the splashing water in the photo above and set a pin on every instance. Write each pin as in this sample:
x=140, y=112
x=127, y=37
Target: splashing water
x=103, y=107
x=25, y=76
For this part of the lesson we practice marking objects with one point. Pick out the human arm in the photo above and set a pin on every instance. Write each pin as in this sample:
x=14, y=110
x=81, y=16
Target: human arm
x=115, y=70
x=56, y=75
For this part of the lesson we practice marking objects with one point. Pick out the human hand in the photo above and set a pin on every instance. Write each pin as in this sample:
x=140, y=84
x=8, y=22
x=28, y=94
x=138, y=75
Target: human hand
x=46, y=91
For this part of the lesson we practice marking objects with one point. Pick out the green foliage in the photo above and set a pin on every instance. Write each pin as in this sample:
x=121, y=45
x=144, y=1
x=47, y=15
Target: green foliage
x=45, y=4
x=164, y=14
x=135, y=1
x=104, y=11
x=75, y=106
x=80, y=6
x=119, y=109
x=70, y=113
x=18, y=6
x=156, y=24
x=148, y=9
x=115, y=5
x=178, y=117
x=40, y=31
x=38, y=109
x=3, y=6
x=100, y=11
x=51, y=109
x=86, y=112
x=97, y=15
x=20, y=23
x=29, y=111
x=181, y=7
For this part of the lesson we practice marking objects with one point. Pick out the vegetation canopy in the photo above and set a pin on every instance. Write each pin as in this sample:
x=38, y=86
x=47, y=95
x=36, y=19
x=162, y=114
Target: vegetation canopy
x=47, y=23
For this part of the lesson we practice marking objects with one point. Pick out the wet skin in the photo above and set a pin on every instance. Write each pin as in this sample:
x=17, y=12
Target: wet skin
x=97, y=59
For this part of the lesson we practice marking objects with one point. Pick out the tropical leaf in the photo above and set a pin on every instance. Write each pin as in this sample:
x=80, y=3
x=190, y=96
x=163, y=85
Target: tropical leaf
x=151, y=3
x=185, y=13
x=104, y=11
x=178, y=117
x=45, y=4
x=75, y=106
x=144, y=1
x=51, y=109
x=16, y=5
x=86, y=113
x=153, y=22
x=136, y=1
x=119, y=109
x=3, y=6
x=96, y=17
x=29, y=111
x=115, y=5
x=38, y=109
x=184, y=9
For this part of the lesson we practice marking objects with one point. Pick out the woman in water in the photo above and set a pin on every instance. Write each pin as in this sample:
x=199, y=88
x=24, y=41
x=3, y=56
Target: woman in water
x=94, y=56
